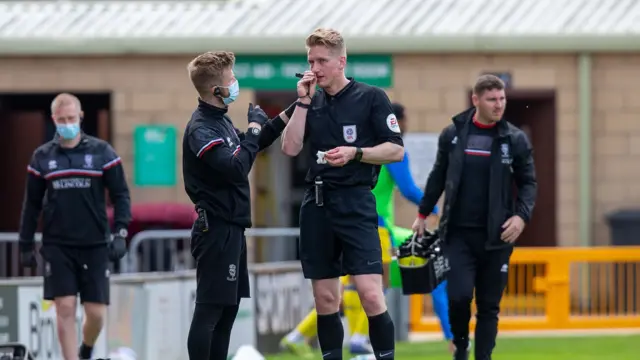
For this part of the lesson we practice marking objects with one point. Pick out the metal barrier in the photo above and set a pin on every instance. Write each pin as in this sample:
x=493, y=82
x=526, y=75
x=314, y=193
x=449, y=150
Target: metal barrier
x=561, y=288
x=10, y=256
x=169, y=250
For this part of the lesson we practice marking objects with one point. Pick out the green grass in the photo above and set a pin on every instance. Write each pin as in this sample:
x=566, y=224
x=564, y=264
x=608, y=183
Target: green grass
x=557, y=348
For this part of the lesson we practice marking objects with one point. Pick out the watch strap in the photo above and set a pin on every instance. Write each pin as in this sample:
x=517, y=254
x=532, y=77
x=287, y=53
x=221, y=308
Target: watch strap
x=358, y=155
x=302, y=105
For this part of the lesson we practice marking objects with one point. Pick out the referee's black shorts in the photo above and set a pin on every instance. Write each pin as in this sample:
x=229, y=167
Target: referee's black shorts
x=220, y=251
x=69, y=271
x=341, y=237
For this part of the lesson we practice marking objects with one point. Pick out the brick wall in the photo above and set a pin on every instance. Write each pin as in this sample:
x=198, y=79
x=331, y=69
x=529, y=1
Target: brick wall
x=144, y=91
x=616, y=127
x=157, y=90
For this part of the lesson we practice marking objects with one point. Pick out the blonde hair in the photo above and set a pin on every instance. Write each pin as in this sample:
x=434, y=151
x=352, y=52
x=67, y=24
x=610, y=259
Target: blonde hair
x=206, y=70
x=65, y=99
x=329, y=38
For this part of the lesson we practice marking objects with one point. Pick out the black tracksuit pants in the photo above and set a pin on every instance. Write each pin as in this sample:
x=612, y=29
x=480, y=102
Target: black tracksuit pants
x=474, y=267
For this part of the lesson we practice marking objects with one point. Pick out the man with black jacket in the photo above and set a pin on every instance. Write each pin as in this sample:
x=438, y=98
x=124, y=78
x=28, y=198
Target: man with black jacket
x=73, y=170
x=216, y=160
x=479, y=158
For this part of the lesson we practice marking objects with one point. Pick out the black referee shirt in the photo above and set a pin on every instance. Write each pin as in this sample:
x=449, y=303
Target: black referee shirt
x=359, y=115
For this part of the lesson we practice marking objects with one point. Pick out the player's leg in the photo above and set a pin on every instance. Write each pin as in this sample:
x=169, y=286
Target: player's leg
x=362, y=258
x=441, y=308
x=217, y=248
x=61, y=287
x=297, y=340
x=460, y=285
x=320, y=258
x=491, y=280
x=359, y=343
x=351, y=306
x=94, y=295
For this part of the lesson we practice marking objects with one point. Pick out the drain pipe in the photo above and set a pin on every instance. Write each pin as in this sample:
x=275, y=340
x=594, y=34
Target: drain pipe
x=585, y=146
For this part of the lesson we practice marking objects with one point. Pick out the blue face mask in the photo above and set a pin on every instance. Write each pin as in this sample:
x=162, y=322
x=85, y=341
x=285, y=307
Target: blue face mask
x=234, y=90
x=68, y=131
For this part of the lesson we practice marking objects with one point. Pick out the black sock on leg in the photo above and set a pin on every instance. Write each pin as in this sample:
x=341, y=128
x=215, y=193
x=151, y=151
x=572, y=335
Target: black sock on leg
x=85, y=351
x=330, y=336
x=382, y=335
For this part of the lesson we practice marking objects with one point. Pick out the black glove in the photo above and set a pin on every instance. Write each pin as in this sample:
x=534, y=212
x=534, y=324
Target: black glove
x=28, y=255
x=117, y=247
x=257, y=115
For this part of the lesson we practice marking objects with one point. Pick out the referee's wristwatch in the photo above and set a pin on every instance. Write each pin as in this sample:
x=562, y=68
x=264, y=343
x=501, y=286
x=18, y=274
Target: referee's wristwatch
x=358, y=156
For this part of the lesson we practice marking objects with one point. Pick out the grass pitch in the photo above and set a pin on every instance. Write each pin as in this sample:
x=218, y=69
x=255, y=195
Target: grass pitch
x=556, y=348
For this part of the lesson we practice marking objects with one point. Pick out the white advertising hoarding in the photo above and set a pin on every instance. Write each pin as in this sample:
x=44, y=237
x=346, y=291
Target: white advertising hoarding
x=37, y=325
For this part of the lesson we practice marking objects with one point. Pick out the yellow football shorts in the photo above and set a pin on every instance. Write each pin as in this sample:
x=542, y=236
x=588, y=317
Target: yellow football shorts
x=386, y=245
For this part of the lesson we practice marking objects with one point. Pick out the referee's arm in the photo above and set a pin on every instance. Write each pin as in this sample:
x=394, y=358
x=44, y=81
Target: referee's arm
x=116, y=182
x=438, y=176
x=387, y=130
x=272, y=130
x=32, y=204
x=210, y=146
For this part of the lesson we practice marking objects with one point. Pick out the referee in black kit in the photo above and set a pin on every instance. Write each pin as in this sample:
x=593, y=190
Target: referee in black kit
x=480, y=156
x=350, y=130
x=216, y=162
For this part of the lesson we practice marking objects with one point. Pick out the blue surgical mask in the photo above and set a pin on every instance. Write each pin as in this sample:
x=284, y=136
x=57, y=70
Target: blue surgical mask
x=68, y=131
x=234, y=90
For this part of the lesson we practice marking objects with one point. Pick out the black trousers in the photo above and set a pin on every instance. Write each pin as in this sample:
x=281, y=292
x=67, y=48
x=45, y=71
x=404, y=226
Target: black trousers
x=486, y=271
x=220, y=251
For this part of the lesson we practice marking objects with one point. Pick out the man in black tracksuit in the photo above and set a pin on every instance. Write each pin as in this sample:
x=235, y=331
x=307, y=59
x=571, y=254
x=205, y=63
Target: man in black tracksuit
x=479, y=158
x=71, y=173
x=216, y=160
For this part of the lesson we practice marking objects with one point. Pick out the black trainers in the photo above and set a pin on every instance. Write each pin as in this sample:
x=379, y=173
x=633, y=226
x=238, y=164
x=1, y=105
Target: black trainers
x=462, y=354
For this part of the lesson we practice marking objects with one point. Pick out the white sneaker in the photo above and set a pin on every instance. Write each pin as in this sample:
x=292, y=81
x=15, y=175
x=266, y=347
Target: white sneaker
x=364, y=357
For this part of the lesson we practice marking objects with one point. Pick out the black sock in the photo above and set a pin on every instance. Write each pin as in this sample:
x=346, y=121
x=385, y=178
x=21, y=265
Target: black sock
x=382, y=335
x=85, y=351
x=330, y=336
x=205, y=319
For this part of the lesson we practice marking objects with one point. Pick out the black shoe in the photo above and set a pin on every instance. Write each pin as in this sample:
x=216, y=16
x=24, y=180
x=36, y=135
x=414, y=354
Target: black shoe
x=462, y=354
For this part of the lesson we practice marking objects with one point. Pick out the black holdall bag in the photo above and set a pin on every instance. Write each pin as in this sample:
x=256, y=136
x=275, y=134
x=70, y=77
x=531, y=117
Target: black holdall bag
x=423, y=265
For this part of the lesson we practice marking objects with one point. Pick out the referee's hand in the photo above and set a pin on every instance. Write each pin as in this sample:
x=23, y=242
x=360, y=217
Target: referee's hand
x=307, y=85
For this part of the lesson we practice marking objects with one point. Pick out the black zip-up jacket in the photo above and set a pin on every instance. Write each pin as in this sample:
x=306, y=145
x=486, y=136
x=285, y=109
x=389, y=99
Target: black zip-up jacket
x=72, y=182
x=511, y=161
x=217, y=158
